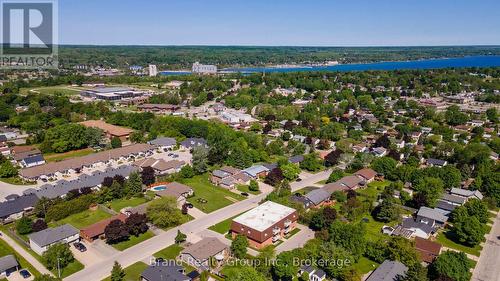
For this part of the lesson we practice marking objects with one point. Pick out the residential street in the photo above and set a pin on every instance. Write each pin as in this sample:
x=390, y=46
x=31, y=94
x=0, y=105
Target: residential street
x=34, y=262
x=147, y=248
x=488, y=266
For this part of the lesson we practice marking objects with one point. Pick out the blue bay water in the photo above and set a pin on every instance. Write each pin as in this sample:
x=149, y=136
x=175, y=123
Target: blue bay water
x=471, y=61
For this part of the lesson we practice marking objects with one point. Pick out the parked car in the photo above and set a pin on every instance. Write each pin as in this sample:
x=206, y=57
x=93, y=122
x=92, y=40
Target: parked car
x=298, y=180
x=175, y=156
x=25, y=273
x=244, y=194
x=80, y=247
x=189, y=205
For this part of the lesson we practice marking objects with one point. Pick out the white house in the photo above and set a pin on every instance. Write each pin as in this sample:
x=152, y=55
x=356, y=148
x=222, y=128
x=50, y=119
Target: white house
x=40, y=241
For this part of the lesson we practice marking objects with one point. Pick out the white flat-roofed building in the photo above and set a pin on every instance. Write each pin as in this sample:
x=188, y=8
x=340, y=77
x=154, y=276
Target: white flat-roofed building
x=153, y=71
x=265, y=224
x=204, y=68
x=111, y=93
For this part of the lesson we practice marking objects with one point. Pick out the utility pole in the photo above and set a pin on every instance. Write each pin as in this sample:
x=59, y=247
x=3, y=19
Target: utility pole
x=58, y=268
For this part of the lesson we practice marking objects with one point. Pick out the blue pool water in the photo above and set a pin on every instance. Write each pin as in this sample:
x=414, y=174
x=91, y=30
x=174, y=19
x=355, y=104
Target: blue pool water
x=159, y=187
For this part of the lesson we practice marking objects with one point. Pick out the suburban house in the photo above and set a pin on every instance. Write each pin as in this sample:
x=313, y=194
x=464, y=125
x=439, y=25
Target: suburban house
x=468, y=194
x=16, y=206
x=431, y=217
x=265, y=224
x=427, y=249
x=158, y=108
x=228, y=177
x=379, y=151
x=366, y=174
x=351, y=182
x=177, y=190
x=388, y=271
x=110, y=131
x=96, y=230
x=8, y=264
x=164, y=143
x=317, y=198
x=161, y=166
x=40, y=241
x=191, y=143
x=453, y=199
x=296, y=159
x=256, y=171
x=313, y=273
x=32, y=161
x=436, y=162
x=410, y=228
x=76, y=164
x=206, y=253
x=161, y=272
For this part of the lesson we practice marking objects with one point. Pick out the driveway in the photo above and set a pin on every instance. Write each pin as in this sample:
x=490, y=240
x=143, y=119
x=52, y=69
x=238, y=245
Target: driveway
x=487, y=268
x=310, y=179
x=15, y=276
x=296, y=241
x=96, y=252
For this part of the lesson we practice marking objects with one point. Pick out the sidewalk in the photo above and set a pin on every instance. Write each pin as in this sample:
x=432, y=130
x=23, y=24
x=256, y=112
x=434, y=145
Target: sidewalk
x=39, y=266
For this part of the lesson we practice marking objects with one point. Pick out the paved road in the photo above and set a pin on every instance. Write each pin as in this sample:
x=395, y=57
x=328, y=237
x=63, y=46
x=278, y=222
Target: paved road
x=488, y=266
x=311, y=180
x=34, y=262
x=8, y=189
x=147, y=248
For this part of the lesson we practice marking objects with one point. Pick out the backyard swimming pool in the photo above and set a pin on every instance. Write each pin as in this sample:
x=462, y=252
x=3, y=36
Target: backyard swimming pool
x=159, y=187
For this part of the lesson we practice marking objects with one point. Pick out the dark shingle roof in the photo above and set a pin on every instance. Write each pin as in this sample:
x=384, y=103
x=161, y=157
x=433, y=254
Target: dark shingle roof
x=17, y=205
x=8, y=262
x=388, y=271
x=164, y=272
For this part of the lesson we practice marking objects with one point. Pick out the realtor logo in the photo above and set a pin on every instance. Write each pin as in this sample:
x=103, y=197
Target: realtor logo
x=28, y=34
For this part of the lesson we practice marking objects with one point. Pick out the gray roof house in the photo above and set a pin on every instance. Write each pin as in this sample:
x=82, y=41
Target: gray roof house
x=388, y=271
x=431, y=216
x=163, y=142
x=318, y=196
x=193, y=142
x=453, y=199
x=170, y=272
x=467, y=193
x=436, y=162
x=40, y=241
x=255, y=171
x=296, y=159
x=17, y=206
x=199, y=253
x=313, y=273
x=8, y=264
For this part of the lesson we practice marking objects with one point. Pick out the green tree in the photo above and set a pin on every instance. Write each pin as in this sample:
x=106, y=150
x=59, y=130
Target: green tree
x=428, y=191
x=200, y=159
x=117, y=272
x=388, y=211
x=244, y=273
x=311, y=162
x=451, y=265
x=133, y=185
x=116, y=142
x=7, y=170
x=336, y=175
x=187, y=172
x=164, y=213
x=45, y=277
x=239, y=246
x=290, y=171
x=384, y=165
x=492, y=115
x=180, y=237
x=58, y=254
x=469, y=230
x=254, y=185
x=285, y=268
x=24, y=225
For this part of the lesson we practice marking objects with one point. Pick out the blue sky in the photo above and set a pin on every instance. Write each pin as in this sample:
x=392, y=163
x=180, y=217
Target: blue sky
x=280, y=22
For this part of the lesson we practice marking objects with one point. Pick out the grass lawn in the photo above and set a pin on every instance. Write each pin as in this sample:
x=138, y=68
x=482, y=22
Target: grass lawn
x=223, y=226
x=365, y=265
x=374, y=228
x=133, y=272
x=119, y=204
x=73, y=267
x=216, y=197
x=16, y=181
x=322, y=182
x=292, y=233
x=5, y=249
x=82, y=219
x=244, y=188
x=373, y=189
x=169, y=253
x=55, y=157
x=62, y=89
x=133, y=241
x=447, y=239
